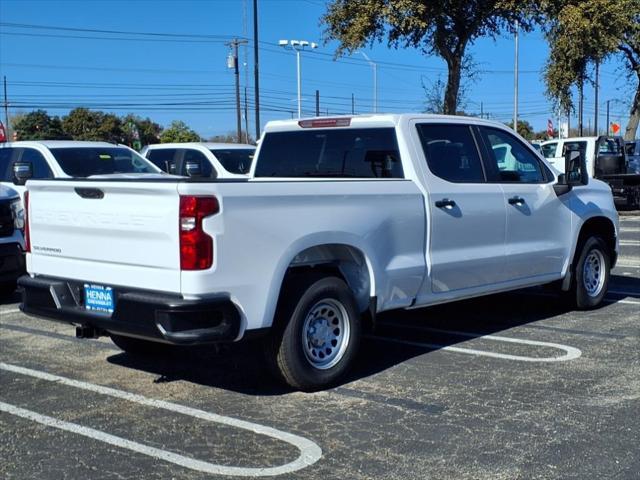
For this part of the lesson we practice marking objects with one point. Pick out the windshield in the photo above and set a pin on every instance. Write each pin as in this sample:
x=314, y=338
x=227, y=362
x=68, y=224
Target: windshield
x=236, y=160
x=87, y=161
x=609, y=146
x=549, y=149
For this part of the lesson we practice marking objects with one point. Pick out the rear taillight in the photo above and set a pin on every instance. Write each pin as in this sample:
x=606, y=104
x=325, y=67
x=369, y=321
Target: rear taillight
x=27, y=236
x=196, y=247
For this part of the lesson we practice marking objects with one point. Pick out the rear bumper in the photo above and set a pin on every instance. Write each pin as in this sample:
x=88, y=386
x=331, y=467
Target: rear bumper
x=11, y=262
x=149, y=315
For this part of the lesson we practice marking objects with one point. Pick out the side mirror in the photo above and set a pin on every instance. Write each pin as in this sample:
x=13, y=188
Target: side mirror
x=193, y=168
x=575, y=169
x=22, y=171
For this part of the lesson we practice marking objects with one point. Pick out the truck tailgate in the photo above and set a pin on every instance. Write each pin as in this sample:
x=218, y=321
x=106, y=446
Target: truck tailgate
x=115, y=233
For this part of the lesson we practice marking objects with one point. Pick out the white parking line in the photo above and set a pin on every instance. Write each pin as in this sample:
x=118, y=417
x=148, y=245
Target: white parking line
x=310, y=452
x=633, y=243
x=571, y=353
x=10, y=310
x=627, y=265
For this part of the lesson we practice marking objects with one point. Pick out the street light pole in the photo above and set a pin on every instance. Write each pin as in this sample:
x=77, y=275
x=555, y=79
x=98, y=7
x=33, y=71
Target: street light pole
x=299, y=83
x=298, y=46
x=515, y=83
x=375, y=81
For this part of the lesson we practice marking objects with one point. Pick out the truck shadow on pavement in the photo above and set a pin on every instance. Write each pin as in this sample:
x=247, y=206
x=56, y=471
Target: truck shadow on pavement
x=9, y=298
x=241, y=367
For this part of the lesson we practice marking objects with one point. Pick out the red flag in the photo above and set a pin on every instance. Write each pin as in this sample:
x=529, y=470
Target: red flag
x=615, y=128
x=3, y=133
x=550, y=128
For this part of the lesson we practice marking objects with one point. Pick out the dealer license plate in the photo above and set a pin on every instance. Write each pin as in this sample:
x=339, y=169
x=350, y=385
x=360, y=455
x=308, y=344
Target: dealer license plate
x=98, y=298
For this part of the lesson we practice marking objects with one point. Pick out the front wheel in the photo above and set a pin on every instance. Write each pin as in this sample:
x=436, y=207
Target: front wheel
x=592, y=272
x=316, y=334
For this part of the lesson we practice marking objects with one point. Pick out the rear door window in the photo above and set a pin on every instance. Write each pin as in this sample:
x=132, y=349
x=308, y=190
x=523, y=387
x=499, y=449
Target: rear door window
x=451, y=152
x=235, y=160
x=341, y=153
x=191, y=155
x=163, y=158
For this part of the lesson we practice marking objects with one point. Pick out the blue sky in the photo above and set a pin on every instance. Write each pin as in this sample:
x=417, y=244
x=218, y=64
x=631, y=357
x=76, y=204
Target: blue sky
x=186, y=78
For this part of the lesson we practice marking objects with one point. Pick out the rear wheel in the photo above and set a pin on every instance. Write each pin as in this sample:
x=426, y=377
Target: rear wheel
x=592, y=271
x=316, y=333
x=137, y=346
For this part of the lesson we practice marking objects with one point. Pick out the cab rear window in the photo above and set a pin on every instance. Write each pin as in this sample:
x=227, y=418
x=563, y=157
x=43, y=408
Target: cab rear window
x=341, y=153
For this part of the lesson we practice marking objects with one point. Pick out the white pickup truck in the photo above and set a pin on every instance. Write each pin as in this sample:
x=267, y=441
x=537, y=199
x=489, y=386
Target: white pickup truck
x=341, y=219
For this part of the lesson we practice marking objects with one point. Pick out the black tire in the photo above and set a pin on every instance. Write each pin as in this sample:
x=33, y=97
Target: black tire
x=588, y=291
x=137, y=346
x=298, y=359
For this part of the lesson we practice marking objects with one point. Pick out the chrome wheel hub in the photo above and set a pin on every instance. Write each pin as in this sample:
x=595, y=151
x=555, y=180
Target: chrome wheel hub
x=593, y=274
x=326, y=333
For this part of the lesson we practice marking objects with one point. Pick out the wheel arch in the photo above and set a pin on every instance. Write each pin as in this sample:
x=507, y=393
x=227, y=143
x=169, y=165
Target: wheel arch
x=597, y=225
x=343, y=260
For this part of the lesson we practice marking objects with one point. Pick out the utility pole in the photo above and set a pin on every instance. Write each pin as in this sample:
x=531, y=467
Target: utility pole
x=595, y=120
x=232, y=62
x=6, y=108
x=481, y=110
x=608, y=124
x=353, y=104
x=515, y=80
x=246, y=117
x=580, y=106
x=256, y=69
x=317, y=103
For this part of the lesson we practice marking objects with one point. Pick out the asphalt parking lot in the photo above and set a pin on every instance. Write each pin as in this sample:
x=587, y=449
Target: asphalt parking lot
x=512, y=386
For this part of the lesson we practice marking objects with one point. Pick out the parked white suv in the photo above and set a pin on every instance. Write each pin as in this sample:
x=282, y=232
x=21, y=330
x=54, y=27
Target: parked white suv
x=341, y=219
x=206, y=160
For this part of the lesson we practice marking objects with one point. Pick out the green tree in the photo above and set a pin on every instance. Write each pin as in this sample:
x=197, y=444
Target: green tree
x=148, y=130
x=84, y=124
x=178, y=131
x=583, y=32
x=444, y=28
x=38, y=125
x=524, y=128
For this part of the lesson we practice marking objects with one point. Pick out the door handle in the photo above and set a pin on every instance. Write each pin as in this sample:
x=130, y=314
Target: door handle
x=516, y=201
x=445, y=203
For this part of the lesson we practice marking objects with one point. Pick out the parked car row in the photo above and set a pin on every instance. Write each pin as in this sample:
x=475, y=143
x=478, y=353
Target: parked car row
x=607, y=159
x=208, y=160
x=338, y=219
x=41, y=160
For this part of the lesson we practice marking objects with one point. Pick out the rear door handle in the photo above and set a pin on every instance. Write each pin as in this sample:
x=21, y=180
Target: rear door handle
x=445, y=203
x=516, y=201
